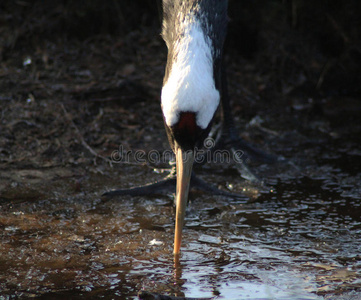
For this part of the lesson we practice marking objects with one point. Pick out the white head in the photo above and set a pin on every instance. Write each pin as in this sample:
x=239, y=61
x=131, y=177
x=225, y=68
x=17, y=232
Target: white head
x=190, y=86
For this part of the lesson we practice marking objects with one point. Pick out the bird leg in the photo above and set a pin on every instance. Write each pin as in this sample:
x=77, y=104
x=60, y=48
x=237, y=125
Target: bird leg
x=167, y=186
x=227, y=138
x=241, y=152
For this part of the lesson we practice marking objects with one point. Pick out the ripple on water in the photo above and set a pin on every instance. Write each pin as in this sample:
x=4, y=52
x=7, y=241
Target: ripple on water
x=299, y=241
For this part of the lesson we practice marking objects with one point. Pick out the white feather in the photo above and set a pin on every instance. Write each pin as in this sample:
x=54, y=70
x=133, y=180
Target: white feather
x=190, y=86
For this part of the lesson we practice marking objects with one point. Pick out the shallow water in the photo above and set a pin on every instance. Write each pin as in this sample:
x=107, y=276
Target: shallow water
x=296, y=237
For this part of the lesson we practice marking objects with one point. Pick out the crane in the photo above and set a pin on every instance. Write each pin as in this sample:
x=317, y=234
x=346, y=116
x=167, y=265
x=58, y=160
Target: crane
x=194, y=86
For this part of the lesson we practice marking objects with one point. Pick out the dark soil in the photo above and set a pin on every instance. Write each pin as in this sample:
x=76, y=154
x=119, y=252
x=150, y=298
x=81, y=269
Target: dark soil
x=77, y=82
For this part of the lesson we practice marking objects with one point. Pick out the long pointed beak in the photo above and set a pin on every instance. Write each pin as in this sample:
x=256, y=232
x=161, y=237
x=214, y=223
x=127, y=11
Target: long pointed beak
x=184, y=162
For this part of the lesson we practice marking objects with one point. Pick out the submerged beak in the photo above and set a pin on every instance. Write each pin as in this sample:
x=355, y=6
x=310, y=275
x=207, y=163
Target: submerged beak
x=184, y=162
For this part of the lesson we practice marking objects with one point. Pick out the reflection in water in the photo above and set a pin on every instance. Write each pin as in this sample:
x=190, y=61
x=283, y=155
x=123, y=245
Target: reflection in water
x=178, y=279
x=177, y=268
x=229, y=278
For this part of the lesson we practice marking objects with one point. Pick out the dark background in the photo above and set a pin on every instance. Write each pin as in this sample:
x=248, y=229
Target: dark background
x=320, y=39
x=96, y=67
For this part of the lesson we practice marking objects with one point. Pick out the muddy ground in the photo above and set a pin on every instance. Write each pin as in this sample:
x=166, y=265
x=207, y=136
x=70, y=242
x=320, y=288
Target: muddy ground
x=68, y=103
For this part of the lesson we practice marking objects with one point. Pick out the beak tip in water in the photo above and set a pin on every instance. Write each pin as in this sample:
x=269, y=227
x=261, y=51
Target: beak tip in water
x=184, y=162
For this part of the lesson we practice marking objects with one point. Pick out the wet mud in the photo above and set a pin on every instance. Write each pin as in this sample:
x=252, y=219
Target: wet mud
x=295, y=237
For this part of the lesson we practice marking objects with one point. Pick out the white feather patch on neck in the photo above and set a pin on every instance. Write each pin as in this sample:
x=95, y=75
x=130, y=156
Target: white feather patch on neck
x=190, y=86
